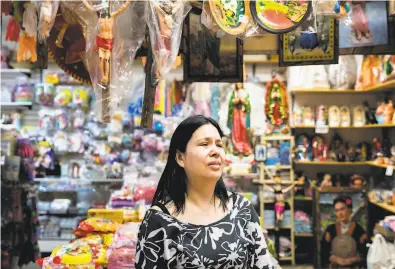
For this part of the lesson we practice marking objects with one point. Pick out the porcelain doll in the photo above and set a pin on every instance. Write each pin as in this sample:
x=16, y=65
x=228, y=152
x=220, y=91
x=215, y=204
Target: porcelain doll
x=308, y=116
x=388, y=113
x=359, y=119
x=320, y=149
x=322, y=116
x=239, y=120
x=334, y=116
x=345, y=117
x=297, y=117
x=279, y=191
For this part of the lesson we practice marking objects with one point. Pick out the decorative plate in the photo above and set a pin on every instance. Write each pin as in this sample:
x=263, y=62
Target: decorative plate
x=231, y=15
x=279, y=17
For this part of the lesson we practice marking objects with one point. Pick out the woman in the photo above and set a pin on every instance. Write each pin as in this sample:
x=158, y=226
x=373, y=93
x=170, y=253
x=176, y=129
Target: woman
x=194, y=222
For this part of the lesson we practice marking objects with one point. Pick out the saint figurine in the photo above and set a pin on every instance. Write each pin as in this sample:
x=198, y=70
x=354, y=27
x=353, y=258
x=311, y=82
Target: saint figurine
x=276, y=106
x=344, y=243
x=104, y=46
x=239, y=120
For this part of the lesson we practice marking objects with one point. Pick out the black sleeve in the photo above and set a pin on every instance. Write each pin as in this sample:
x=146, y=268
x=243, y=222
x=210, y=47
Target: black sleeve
x=150, y=243
x=361, y=239
x=326, y=245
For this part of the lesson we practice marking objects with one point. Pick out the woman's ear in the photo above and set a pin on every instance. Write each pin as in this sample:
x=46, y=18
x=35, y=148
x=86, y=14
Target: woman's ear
x=180, y=158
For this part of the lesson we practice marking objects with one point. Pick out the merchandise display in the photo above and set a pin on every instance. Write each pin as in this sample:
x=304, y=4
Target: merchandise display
x=92, y=92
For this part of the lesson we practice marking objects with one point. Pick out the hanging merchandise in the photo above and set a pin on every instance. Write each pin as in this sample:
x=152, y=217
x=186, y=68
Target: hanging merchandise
x=276, y=107
x=61, y=142
x=201, y=95
x=27, y=42
x=336, y=9
x=80, y=97
x=78, y=119
x=232, y=16
x=279, y=17
x=367, y=25
x=165, y=21
x=61, y=119
x=45, y=93
x=47, y=10
x=63, y=96
x=46, y=119
x=343, y=75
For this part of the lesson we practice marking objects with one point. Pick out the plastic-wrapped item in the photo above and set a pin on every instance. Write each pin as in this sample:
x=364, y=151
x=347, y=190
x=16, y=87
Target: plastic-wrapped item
x=80, y=97
x=343, y=75
x=47, y=10
x=45, y=94
x=61, y=119
x=61, y=142
x=46, y=119
x=23, y=93
x=63, y=96
x=97, y=225
x=165, y=21
x=112, y=39
x=78, y=119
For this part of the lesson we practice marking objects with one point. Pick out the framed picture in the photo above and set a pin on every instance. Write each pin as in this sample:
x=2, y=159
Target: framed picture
x=366, y=25
x=260, y=152
x=209, y=58
x=315, y=41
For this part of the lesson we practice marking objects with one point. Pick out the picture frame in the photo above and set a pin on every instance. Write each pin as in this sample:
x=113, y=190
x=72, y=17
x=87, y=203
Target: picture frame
x=208, y=58
x=314, y=42
x=260, y=152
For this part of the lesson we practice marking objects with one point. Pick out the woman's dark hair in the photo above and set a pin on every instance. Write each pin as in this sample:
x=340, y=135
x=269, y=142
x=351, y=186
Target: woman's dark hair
x=172, y=185
x=343, y=199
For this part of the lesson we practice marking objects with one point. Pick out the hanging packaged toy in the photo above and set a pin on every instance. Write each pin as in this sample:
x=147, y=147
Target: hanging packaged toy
x=78, y=119
x=80, y=97
x=165, y=21
x=23, y=93
x=45, y=94
x=63, y=96
x=27, y=42
x=61, y=119
x=61, y=142
x=46, y=119
x=76, y=143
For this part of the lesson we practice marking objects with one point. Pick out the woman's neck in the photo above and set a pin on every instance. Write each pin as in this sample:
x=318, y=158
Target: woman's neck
x=201, y=195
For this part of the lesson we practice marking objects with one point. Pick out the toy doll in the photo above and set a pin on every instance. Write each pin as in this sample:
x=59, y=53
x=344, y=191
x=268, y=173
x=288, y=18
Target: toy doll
x=326, y=182
x=334, y=116
x=239, y=120
x=359, y=116
x=322, y=116
x=308, y=116
x=320, y=149
x=345, y=117
x=104, y=46
x=377, y=150
x=279, y=206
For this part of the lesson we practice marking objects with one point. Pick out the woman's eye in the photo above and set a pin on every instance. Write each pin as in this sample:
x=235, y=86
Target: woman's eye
x=220, y=145
x=204, y=144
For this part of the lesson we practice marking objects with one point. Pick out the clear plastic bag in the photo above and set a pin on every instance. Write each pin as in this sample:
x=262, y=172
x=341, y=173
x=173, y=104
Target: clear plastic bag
x=110, y=53
x=165, y=21
x=379, y=254
x=47, y=10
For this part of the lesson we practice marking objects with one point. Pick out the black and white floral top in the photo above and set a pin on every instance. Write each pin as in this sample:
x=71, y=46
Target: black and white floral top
x=234, y=242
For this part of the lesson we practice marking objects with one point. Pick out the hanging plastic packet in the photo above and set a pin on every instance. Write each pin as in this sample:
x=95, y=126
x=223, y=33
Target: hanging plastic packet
x=45, y=93
x=76, y=142
x=61, y=119
x=337, y=9
x=27, y=42
x=78, y=119
x=165, y=21
x=112, y=39
x=46, y=120
x=63, y=96
x=61, y=142
x=80, y=97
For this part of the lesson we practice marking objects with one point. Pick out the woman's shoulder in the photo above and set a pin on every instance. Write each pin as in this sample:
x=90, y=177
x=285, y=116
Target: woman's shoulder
x=239, y=200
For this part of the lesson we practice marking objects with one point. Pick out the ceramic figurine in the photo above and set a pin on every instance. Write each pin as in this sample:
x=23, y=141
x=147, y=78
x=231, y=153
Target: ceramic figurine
x=380, y=113
x=392, y=157
x=279, y=206
x=276, y=107
x=308, y=116
x=303, y=148
x=321, y=116
x=345, y=117
x=349, y=152
x=357, y=181
x=337, y=149
x=377, y=151
x=326, y=182
x=359, y=116
x=334, y=116
x=362, y=152
x=297, y=117
x=388, y=113
x=369, y=114
x=320, y=149
x=388, y=63
x=239, y=120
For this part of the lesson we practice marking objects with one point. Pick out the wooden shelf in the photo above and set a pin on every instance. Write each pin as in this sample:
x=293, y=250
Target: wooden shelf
x=382, y=87
x=304, y=235
x=379, y=165
x=348, y=127
x=276, y=137
x=16, y=105
x=387, y=207
x=303, y=198
x=329, y=163
x=340, y=189
x=286, y=258
x=281, y=227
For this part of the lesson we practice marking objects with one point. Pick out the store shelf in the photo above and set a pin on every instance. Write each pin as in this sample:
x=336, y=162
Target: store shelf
x=77, y=181
x=329, y=163
x=271, y=182
x=16, y=105
x=246, y=176
x=387, y=207
x=11, y=73
x=348, y=127
x=303, y=198
x=379, y=165
x=304, y=235
x=48, y=246
x=382, y=87
x=281, y=227
x=341, y=189
x=276, y=137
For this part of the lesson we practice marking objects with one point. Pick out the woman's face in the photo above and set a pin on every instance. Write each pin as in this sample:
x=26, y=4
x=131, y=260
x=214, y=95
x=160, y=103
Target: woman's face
x=204, y=156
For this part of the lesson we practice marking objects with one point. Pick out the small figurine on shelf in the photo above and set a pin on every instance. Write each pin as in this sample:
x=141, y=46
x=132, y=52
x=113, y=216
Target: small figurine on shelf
x=326, y=182
x=392, y=157
x=303, y=187
x=322, y=116
x=334, y=116
x=308, y=116
x=388, y=112
x=320, y=149
x=370, y=73
x=359, y=118
x=345, y=117
x=279, y=206
x=369, y=114
x=276, y=107
x=303, y=148
x=380, y=112
x=362, y=152
x=337, y=150
x=377, y=151
x=350, y=152
x=357, y=181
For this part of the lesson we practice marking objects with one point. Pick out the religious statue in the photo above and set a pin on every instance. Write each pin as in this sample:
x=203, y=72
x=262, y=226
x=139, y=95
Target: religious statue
x=344, y=242
x=276, y=106
x=279, y=206
x=239, y=120
x=104, y=46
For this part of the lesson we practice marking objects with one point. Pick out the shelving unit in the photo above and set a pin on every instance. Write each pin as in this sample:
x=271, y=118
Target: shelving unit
x=329, y=163
x=348, y=127
x=389, y=208
x=16, y=105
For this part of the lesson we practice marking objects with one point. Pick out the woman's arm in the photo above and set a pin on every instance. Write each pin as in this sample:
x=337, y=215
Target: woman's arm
x=260, y=257
x=150, y=244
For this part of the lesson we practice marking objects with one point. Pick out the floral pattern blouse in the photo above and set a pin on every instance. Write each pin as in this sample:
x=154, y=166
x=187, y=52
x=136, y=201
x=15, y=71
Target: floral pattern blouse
x=234, y=242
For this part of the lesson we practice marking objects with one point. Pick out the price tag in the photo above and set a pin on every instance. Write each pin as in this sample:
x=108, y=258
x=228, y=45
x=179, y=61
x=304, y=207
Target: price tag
x=390, y=170
x=324, y=129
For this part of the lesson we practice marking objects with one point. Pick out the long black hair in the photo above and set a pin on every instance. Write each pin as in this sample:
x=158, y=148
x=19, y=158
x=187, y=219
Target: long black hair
x=172, y=186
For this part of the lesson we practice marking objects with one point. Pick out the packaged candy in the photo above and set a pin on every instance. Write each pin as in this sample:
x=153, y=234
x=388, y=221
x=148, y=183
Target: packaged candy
x=61, y=119
x=45, y=93
x=52, y=78
x=98, y=225
x=63, y=96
